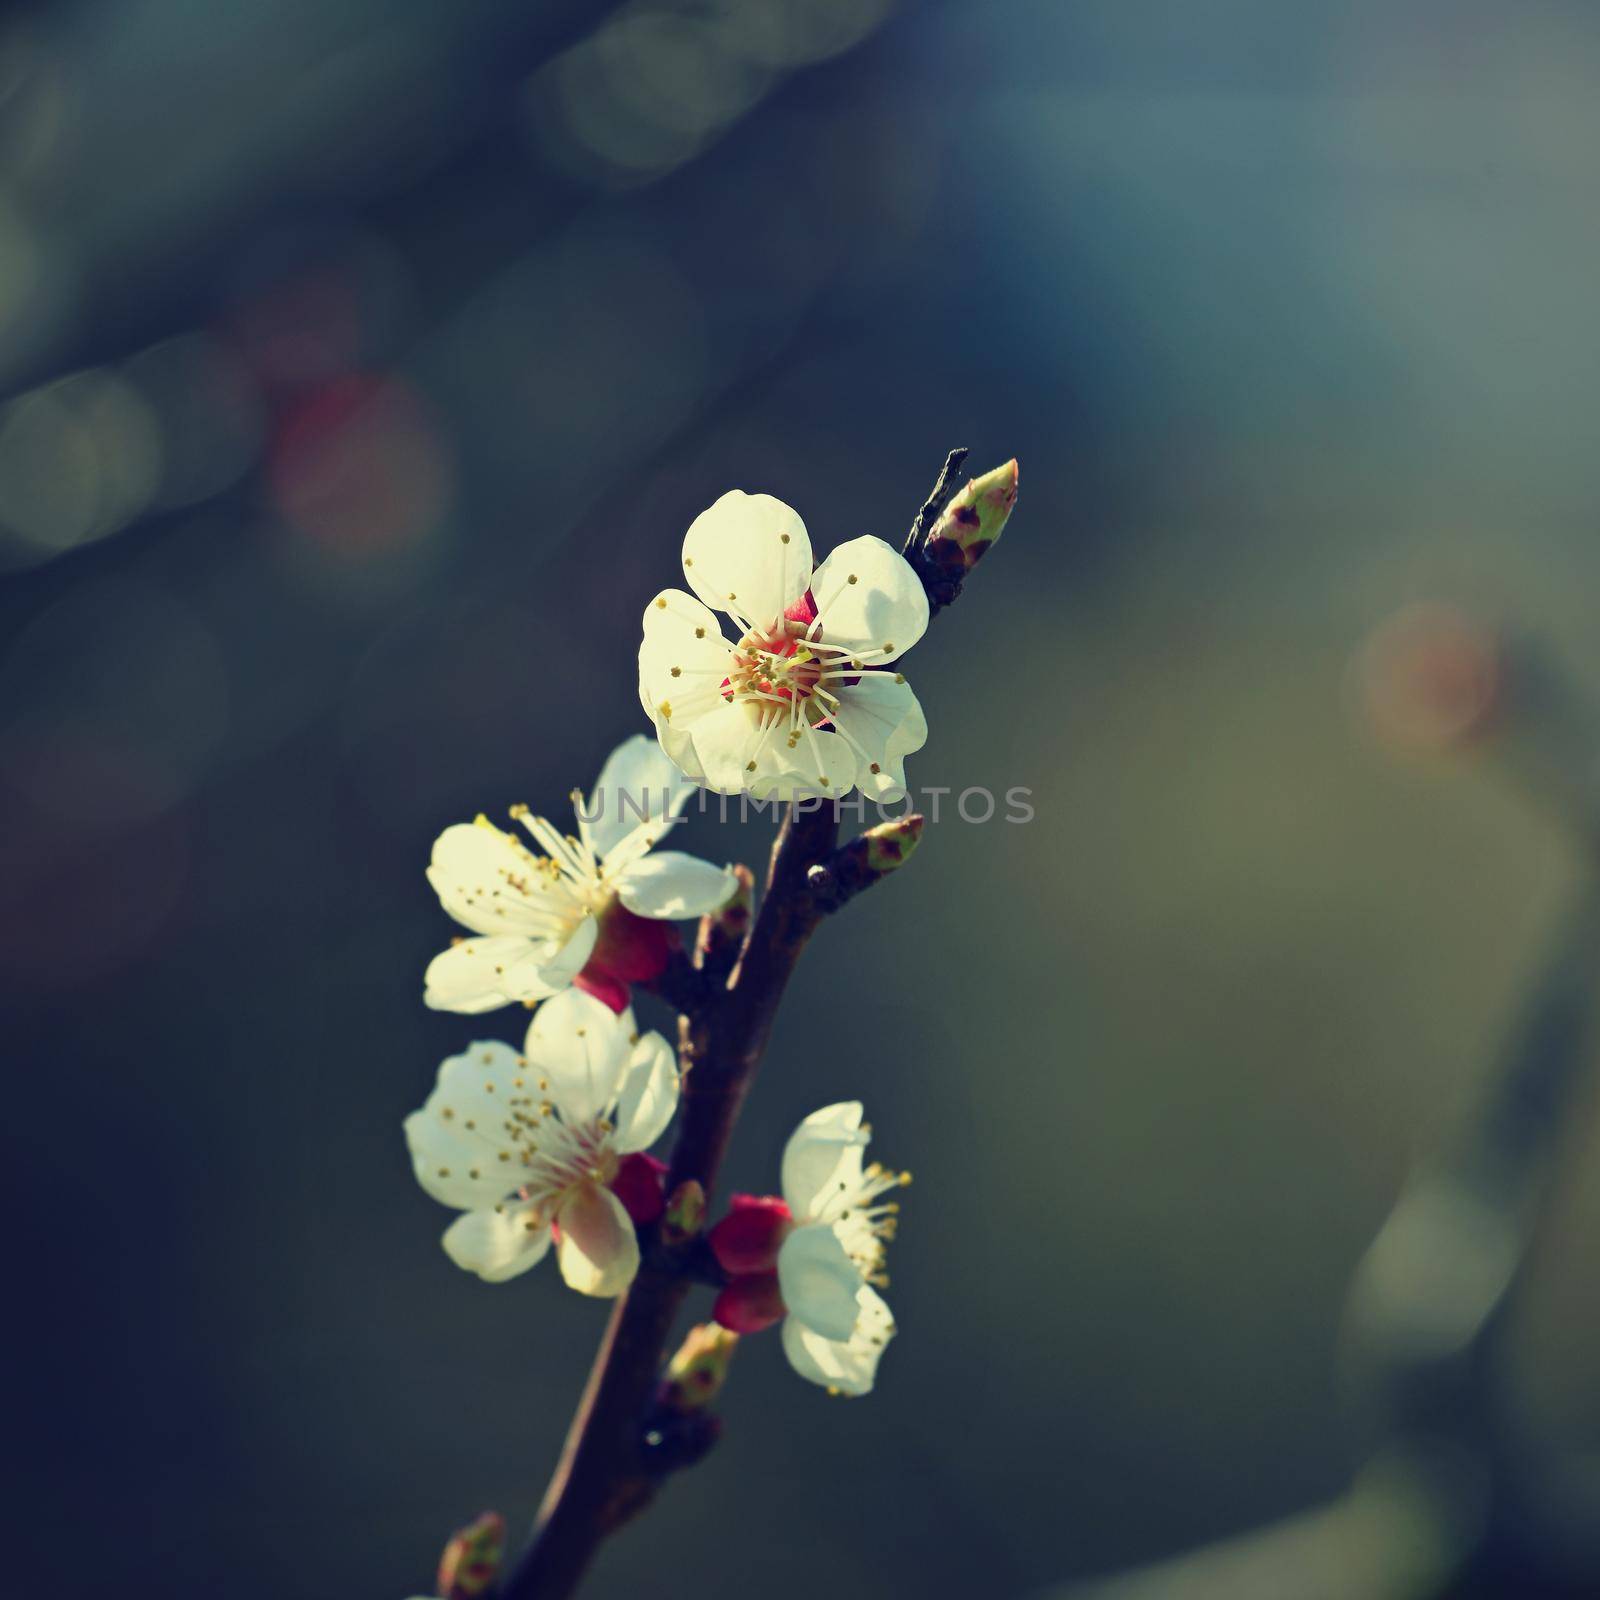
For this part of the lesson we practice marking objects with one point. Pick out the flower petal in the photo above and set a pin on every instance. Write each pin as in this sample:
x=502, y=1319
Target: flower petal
x=851, y=1365
x=683, y=660
x=490, y=882
x=648, y=1096
x=597, y=1248
x=822, y=1156
x=671, y=885
x=881, y=715
x=678, y=746
x=498, y=1243
x=639, y=788
x=820, y=764
x=476, y=975
x=819, y=1280
x=580, y=1049
x=868, y=598
x=728, y=741
x=458, y=1151
x=748, y=554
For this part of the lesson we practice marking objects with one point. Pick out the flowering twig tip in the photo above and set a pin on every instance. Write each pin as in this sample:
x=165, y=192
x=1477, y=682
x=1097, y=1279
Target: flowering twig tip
x=972, y=521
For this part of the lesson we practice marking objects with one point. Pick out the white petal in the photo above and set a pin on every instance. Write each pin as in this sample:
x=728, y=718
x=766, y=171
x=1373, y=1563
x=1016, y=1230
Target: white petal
x=819, y=764
x=683, y=659
x=458, y=1149
x=649, y=1094
x=748, y=554
x=498, y=1243
x=884, y=606
x=822, y=1156
x=476, y=975
x=598, y=1250
x=638, y=787
x=670, y=885
x=674, y=617
x=818, y=1280
x=489, y=881
x=728, y=741
x=884, y=718
x=849, y=1365
x=677, y=745
x=562, y=963
x=579, y=1047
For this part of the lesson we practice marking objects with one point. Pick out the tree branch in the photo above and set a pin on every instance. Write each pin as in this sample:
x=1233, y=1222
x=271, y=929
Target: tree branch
x=604, y=1476
x=608, y=1471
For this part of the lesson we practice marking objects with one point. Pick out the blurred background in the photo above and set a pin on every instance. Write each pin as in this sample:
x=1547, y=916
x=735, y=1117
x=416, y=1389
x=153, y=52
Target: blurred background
x=366, y=360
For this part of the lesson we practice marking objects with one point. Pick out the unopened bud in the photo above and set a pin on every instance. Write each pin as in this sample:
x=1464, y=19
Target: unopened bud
x=722, y=931
x=864, y=860
x=697, y=1371
x=971, y=522
x=471, y=1560
x=638, y=1185
x=749, y=1237
x=889, y=845
x=685, y=1213
x=747, y=1305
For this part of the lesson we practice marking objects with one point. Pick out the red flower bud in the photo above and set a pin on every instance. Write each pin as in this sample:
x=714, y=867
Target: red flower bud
x=607, y=990
x=748, y=1238
x=750, y=1304
x=630, y=949
x=639, y=1185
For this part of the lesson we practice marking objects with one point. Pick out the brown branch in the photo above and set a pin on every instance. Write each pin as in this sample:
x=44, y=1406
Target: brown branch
x=604, y=1476
x=608, y=1469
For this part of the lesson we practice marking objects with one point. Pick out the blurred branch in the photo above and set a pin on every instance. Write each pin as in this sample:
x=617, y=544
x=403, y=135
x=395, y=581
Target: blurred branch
x=613, y=1463
x=1381, y=1541
x=1454, y=1500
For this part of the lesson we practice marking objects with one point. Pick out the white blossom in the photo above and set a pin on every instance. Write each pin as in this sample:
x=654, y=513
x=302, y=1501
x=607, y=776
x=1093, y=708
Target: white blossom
x=804, y=701
x=837, y=1324
x=536, y=912
x=526, y=1146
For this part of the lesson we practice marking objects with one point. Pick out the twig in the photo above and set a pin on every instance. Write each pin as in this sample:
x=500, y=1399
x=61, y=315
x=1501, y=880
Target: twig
x=608, y=1472
x=938, y=498
x=604, y=1476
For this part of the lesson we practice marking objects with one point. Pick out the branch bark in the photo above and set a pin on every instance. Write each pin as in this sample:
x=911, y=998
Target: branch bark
x=605, y=1475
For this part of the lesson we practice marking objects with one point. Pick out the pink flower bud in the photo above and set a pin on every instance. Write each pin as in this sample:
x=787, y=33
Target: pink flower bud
x=630, y=949
x=748, y=1238
x=750, y=1304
